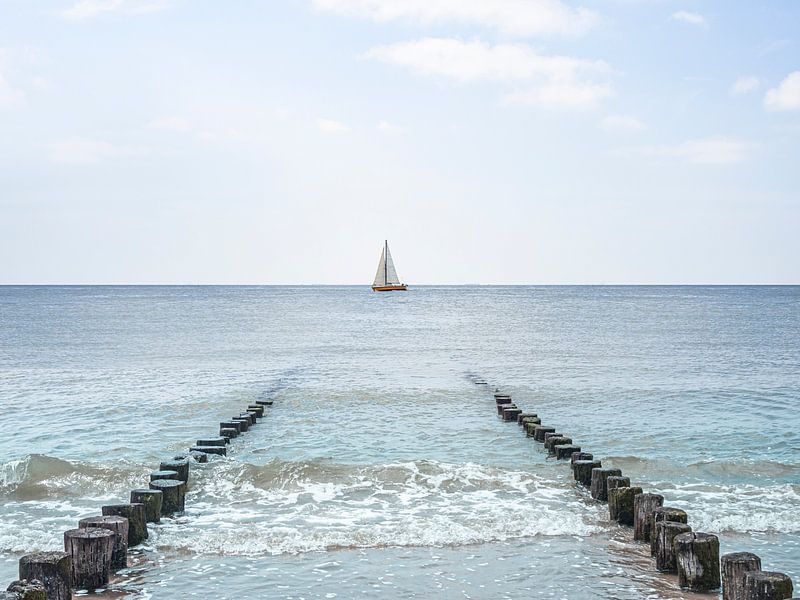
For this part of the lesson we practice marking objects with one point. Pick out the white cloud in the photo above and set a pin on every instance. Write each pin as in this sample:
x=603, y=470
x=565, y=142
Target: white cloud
x=386, y=127
x=89, y=9
x=512, y=17
x=83, y=151
x=331, y=126
x=745, y=85
x=786, y=96
x=171, y=123
x=621, y=124
x=692, y=18
x=718, y=150
x=550, y=81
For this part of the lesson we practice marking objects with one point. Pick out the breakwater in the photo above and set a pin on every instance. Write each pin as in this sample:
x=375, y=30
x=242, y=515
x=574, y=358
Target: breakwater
x=98, y=547
x=676, y=549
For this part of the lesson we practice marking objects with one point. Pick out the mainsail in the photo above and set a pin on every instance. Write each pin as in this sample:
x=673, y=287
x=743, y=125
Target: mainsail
x=386, y=275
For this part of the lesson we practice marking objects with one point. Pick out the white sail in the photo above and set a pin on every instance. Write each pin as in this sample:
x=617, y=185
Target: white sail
x=380, y=276
x=391, y=273
x=386, y=275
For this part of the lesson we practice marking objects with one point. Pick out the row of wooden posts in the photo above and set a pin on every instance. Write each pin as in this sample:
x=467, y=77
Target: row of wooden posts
x=694, y=556
x=99, y=546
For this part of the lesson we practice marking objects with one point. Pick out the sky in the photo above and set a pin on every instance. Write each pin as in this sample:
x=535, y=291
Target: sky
x=490, y=141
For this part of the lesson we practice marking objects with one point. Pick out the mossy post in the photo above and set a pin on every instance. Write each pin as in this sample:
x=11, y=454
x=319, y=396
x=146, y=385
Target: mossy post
x=767, y=585
x=615, y=481
x=697, y=556
x=522, y=416
x=582, y=470
x=643, y=507
x=529, y=425
x=564, y=451
x=151, y=500
x=664, y=513
x=556, y=440
x=181, y=466
x=576, y=456
x=620, y=504
x=540, y=430
x=119, y=525
x=137, y=522
x=598, y=487
x=173, y=494
x=53, y=569
x=25, y=589
x=666, y=532
x=734, y=568
x=511, y=414
x=91, y=551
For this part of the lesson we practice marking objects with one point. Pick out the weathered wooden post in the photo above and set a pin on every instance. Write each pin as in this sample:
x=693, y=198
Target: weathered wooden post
x=137, y=522
x=244, y=424
x=734, y=568
x=119, y=525
x=530, y=424
x=503, y=407
x=510, y=414
x=576, y=456
x=181, y=466
x=598, y=486
x=767, y=585
x=664, y=513
x=230, y=425
x=229, y=432
x=643, y=507
x=564, y=451
x=53, y=569
x=269, y=402
x=620, y=504
x=540, y=430
x=218, y=450
x=615, y=481
x=697, y=557
x=91, y=551
x=521, y=416
x=666, y=532
x=151, y=500
x=163, y=475
x=173, y=492
x=551, y=442
x=582, y=470
x=217, y=441
x=25, y=589
x=256, y=408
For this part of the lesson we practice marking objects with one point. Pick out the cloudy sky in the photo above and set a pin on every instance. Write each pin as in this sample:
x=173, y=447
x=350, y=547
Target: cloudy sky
x=491, y=141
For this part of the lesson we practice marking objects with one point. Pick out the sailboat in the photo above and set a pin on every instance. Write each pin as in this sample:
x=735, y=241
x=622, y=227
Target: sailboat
x=386, y=279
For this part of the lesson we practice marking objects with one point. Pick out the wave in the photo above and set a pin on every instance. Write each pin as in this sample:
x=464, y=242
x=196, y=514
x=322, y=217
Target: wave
x=706, y=470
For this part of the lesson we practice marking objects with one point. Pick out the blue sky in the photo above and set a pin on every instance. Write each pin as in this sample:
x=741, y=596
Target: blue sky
x=504, y=141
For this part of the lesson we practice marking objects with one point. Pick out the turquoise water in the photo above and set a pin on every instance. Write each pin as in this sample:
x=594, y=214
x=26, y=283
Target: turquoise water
x=381, y=470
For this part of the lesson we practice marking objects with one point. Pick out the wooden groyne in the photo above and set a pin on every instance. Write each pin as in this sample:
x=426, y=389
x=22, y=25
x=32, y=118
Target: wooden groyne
x=691, y=555
x=98, y=547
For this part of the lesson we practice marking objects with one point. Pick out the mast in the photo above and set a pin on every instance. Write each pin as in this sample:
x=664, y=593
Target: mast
x=385, y=262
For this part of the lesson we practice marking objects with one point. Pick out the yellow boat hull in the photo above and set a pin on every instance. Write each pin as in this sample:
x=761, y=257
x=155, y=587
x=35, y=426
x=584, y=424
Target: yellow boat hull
x=389, y=288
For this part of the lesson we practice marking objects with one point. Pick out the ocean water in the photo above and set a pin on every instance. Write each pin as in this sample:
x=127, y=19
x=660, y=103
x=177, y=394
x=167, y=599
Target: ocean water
x=382, y=471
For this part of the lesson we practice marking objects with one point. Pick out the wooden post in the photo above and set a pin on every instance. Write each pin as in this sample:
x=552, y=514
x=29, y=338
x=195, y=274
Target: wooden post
x=163, y=475
x=253, y=416
x=576, y=456
x=503, y=407
x=137, y=523
x=181, y=466
x=230, y=425
x=551, y=442
x=90, y=550
x=615, y=481
x=666, y=532
x=540, y=430
x=734, y=568
x=529, y=424
x=643, y=507
x=582, y=470
x=521, y=416
x=218, y=450
x=564, y=451
x=53, y=569
x=151, y=500
x=510, y=414
x=598, y=487
x=244, y=424
x=664, y=513
x=229, y=432
x=269, y=402
x=767, y=585
x=620, y=504
x=256, y=408
x=697, y=556
x=173, y=495
x=217, y=441
x=119, y=525
x=25, y=589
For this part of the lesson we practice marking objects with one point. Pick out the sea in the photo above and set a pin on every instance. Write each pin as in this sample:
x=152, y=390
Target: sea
x=381, y=469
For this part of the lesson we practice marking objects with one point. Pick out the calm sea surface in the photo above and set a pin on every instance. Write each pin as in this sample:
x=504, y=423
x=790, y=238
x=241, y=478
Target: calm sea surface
x=381, y=471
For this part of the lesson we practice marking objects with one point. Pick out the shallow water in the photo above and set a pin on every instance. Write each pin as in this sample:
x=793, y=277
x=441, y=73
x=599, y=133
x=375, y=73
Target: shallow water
x=381, y=470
